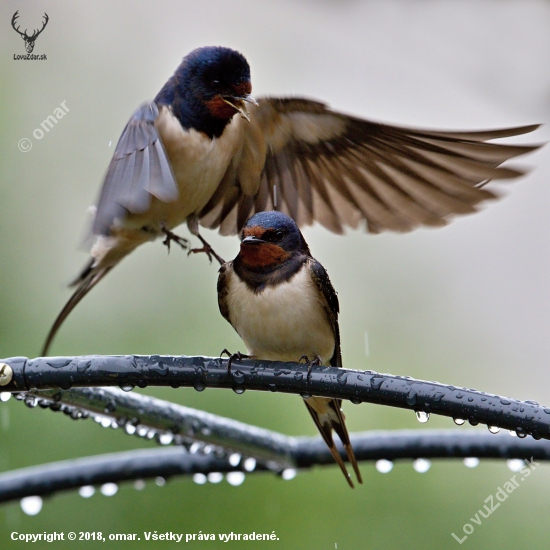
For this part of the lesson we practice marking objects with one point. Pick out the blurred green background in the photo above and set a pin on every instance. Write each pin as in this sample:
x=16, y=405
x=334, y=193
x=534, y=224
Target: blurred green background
x=467, y=304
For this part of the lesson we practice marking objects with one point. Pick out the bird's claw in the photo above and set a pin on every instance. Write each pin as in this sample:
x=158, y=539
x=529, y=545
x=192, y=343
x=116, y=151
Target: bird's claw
x=315, y=362
x=172, y=237
x=232, y=357
x=208, y=250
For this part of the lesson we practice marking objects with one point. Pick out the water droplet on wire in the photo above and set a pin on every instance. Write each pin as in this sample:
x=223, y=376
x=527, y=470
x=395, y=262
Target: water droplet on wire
x=109, y=489
x=422, y=465
x=288, y=474
x=422, y=416
x=234, y=459
x=215, y=477
x=250, y=464
x=86, y=491
x=515, y=464
x=199, y=479
x=235, y=478
x=384, y=466
x=31, y=505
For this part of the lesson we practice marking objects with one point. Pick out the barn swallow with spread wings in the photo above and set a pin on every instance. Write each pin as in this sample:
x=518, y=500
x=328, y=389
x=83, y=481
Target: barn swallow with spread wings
x=186, y=157
x=282, y=304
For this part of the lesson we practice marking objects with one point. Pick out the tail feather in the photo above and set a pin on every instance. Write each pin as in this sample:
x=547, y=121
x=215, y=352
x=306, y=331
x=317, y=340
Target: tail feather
x=88, y=278
x=342, y=431
x=327, y=416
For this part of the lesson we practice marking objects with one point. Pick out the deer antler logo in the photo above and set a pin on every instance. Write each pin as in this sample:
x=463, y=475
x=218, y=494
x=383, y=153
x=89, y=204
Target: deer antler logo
x=29, y=40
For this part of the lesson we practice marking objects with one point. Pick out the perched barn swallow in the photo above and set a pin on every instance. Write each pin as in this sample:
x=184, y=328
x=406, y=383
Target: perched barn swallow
x=186, y=157
x=282, y=304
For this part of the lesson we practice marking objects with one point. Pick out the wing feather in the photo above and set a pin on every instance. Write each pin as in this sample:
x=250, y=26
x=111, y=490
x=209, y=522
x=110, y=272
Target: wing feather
x=138, y=170
x=324, y=166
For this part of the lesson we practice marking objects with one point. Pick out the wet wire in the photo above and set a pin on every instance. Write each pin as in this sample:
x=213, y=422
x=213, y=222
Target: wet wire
x=425, y=398
x=161, y=464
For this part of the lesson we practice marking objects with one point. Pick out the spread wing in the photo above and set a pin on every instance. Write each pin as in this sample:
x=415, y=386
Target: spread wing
x=139, y=169
x=315, y=164
x=330, y=302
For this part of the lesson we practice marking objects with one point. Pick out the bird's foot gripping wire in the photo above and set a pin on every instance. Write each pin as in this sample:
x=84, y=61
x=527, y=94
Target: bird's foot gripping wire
x=207, y=249
x=172, y=237
x=315, y=362
x=234, y=356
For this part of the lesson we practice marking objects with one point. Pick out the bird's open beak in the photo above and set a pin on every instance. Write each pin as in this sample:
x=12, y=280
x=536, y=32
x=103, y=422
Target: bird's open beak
x=239, y=104
x=251, y=239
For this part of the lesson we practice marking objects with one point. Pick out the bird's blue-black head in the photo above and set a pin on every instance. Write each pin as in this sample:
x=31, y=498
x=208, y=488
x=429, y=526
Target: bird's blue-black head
x=208, y=89
x=271, y=239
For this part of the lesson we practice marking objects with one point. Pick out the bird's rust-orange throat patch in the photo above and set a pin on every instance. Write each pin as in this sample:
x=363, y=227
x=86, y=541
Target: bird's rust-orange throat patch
x=219, y=108
x=262, y=255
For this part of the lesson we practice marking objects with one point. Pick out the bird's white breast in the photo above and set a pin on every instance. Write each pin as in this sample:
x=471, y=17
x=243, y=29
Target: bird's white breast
x=198, y=163
x=282, y=322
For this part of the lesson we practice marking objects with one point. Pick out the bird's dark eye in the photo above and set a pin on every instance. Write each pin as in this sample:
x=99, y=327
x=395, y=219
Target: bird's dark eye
x=273, y=236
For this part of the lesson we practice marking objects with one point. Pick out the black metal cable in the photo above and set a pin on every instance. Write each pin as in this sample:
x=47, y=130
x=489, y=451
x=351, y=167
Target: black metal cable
x=523, y=417
x=155, y=418
x=48, y=479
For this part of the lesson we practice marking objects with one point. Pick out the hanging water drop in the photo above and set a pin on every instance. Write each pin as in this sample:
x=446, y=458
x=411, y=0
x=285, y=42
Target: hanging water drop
x=250, y=464
x=139, y=484
x=512, y=433
x=31, y=505
x=165, y=438
x=109, y=489
x=384, y=466
x=199, y=479
x=493, y=429
x=234, y=459
x=471, y=462
x=214, y=477
x=126, y=387
x=288, y=474
x=195, y=448
x=458, y=421
x=160, y=481
x=86, y=491
x=515, y=464
x=130, y=429
x=422, y=416
x=235, y=478
x=422, y=465
x=5, y=396
x=30, y=402
x=142, y=431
